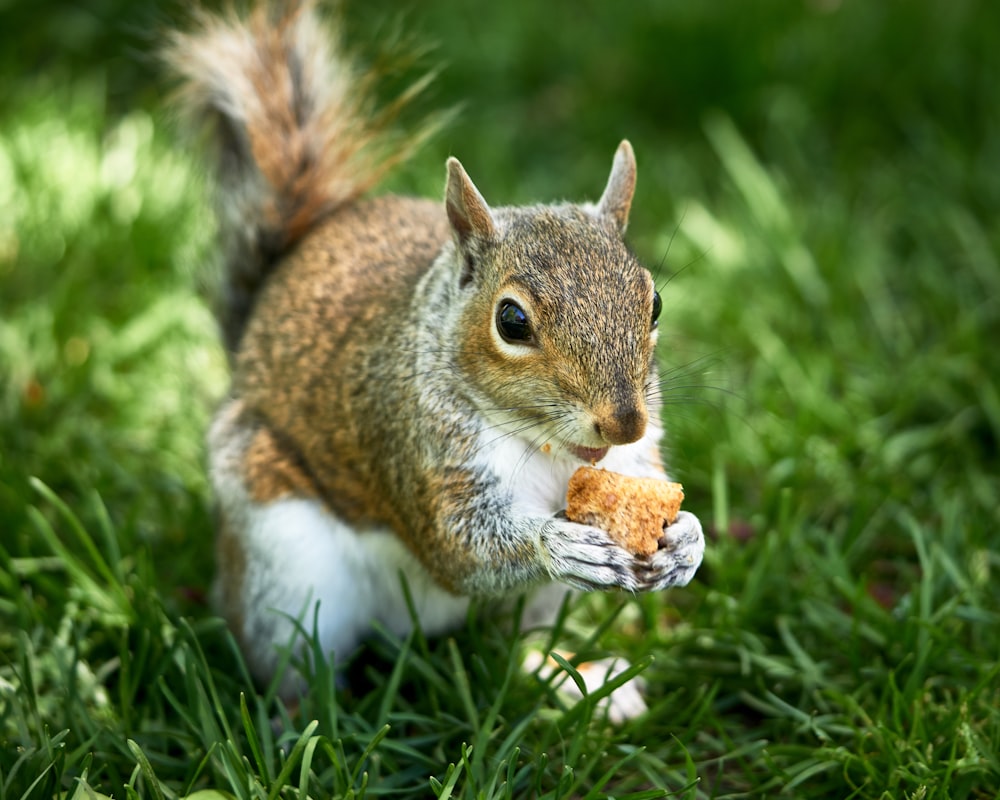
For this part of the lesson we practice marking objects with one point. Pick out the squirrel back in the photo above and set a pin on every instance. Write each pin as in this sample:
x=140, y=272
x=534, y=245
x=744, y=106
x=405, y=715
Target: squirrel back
x=294, y=135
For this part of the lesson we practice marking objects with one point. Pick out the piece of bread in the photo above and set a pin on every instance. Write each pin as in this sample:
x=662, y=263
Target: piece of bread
x=634, y=511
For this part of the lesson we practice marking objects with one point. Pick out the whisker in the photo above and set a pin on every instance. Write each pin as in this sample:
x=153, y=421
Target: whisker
x=665, y=388
x=530, y=449
x=658, y=270
x=682, y=269
x=527, y=425
x=534, y=407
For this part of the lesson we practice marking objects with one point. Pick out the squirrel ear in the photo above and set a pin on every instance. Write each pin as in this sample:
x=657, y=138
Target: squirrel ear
x=617, y=198
x=468, y=212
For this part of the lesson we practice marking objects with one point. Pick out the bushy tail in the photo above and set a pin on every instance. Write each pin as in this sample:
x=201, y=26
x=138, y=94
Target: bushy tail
x=294, y=135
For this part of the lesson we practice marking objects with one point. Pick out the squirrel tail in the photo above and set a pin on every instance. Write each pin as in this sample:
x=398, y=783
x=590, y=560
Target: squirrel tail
x=295, y=135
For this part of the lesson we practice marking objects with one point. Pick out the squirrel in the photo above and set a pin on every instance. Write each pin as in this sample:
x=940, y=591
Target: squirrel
x=413, y=382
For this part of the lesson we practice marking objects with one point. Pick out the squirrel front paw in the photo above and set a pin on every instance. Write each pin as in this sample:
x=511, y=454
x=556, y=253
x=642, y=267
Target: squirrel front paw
x=675, y=563
x=588, y=558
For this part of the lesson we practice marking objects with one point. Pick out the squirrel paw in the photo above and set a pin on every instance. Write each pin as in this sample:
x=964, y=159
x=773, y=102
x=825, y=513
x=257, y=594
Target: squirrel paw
x=587, y=558
x=678, y=558
x=624, y=703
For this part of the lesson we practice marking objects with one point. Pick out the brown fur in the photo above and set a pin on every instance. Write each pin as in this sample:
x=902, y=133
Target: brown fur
x=273, y=471
x=326, y=316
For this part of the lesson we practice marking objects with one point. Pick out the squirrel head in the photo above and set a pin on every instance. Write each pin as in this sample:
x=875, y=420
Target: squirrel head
x=558, y=317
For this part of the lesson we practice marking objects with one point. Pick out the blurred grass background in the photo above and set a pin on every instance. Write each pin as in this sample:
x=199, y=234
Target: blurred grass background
x=819, y=185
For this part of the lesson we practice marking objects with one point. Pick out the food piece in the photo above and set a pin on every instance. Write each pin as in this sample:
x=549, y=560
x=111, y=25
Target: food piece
x=634, y=511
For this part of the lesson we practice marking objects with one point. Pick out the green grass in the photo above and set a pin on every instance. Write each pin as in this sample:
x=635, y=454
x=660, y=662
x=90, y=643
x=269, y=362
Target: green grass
x=819, y=190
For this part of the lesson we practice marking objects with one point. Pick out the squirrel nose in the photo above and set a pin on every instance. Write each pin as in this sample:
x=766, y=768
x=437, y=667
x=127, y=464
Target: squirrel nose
x=623, y=424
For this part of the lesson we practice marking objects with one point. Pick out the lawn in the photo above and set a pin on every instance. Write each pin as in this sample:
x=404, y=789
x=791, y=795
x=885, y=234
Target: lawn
x=819, y=197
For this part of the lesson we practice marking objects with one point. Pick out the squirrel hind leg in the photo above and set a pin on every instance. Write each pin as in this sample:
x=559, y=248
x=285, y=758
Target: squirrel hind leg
x=289, y=567
x=626, y=702
x=288, y=579
x=279, y=552
x=542, y=610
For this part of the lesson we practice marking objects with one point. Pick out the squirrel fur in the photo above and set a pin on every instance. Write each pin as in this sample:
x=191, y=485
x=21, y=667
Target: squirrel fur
x=413, y=382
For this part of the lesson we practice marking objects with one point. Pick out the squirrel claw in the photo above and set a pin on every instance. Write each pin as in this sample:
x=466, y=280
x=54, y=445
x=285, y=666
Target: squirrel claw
x=675, y=563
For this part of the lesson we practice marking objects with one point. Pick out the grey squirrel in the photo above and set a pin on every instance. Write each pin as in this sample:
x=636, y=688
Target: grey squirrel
x=413, y=383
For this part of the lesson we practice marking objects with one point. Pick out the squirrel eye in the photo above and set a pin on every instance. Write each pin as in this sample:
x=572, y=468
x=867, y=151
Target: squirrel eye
x=657, y=307
x=512, y=322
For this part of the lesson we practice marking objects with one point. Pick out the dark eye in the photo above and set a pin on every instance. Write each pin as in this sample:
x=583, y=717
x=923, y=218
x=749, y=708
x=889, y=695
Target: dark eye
x=657, y=307
x=512, y=322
